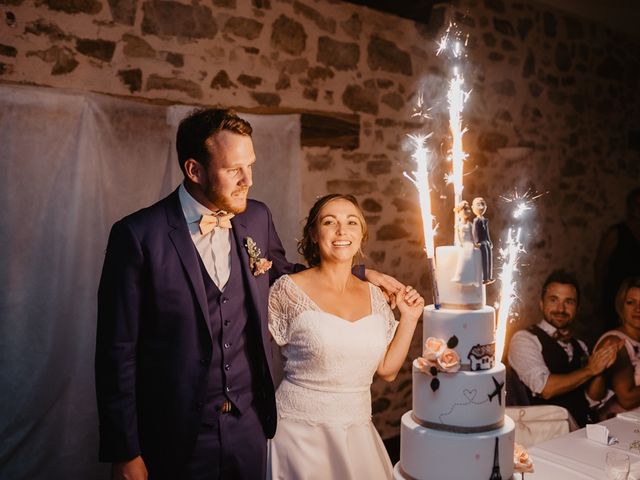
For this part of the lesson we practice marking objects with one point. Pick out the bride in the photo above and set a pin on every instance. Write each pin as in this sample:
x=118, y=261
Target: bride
x=336, y=332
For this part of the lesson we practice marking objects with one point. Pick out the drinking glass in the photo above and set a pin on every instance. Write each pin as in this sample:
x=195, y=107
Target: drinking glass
x=617, y=466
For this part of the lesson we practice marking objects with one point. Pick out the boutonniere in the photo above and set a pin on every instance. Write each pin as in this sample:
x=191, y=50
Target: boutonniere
x=258, y=265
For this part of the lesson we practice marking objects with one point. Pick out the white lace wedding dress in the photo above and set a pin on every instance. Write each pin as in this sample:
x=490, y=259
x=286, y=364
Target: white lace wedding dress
x=324, y=402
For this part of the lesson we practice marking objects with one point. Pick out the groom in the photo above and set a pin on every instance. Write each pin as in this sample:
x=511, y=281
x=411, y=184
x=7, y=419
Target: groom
x=183, y=358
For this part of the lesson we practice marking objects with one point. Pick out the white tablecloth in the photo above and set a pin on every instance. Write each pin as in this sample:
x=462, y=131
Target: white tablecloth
x=573, y=456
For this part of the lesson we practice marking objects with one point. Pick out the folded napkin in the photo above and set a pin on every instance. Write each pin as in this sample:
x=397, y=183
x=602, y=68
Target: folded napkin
x=600, y=434
x=631, y=416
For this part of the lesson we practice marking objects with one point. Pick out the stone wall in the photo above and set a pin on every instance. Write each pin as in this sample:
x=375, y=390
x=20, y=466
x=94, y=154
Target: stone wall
x=563, y=86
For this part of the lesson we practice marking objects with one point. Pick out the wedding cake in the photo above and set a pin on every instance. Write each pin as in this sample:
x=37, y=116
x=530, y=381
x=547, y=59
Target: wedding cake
x=457, y=429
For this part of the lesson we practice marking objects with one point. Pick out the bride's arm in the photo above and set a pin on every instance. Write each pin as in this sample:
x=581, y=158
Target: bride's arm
x=410, y=304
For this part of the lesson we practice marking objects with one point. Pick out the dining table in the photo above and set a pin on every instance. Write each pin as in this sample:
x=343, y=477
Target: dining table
x=574, y=456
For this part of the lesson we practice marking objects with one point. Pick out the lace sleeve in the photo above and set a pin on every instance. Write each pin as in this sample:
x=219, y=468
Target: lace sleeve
x=381, y=306
x=278, y=321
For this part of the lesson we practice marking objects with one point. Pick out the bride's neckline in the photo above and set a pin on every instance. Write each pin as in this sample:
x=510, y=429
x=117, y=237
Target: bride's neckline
x=317, y=307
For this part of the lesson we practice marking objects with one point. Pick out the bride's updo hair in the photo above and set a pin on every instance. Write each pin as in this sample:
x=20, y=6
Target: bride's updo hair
x=307, y=247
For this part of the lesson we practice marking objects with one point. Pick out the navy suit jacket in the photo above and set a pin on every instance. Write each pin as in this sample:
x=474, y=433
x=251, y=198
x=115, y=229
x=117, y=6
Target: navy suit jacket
x=153, y=343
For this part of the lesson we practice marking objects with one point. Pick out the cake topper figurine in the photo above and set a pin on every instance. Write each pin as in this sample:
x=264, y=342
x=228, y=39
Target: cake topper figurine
x=468, y=266
x=482, y=239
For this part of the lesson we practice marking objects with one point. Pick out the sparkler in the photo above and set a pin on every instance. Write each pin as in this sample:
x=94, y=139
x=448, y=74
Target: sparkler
x=522, y=202
x=456, y=98
x=508, y=287
x=510, y=256
x=452, y=43
x=420, y=178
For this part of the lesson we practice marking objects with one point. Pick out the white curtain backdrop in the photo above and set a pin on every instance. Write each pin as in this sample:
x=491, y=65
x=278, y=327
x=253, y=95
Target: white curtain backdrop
x=73, y=163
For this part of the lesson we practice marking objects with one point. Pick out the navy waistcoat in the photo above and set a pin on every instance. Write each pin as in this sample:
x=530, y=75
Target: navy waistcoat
x=231, y=374
x=558, y=363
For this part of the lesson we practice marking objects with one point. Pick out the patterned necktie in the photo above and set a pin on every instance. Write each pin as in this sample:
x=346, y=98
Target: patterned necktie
x=220, y=219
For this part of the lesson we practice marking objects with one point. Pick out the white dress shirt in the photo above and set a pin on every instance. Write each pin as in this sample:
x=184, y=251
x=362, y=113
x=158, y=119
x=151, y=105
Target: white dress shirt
x=525, y=356
x=214, y=247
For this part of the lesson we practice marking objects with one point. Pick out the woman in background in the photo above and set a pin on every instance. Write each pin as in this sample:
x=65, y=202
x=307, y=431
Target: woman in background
x=624, y=375
x=336, y=332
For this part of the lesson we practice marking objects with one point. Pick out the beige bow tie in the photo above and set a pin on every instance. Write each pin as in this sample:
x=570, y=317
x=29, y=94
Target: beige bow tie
x=209, y=222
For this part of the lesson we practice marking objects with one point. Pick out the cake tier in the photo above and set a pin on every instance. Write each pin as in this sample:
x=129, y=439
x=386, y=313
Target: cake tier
x=472, y=328
x=427, y=454
x=464, y=401
x=453, y=294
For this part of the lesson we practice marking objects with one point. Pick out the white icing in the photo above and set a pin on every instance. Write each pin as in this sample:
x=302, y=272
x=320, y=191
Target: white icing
x=462, y=398
x=451, y=292
x=427, y=454
x=451, y=432
x=471, y=327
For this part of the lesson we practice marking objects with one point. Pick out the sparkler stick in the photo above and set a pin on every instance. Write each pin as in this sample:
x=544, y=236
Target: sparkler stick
x=420, y=179
x=508, y=293
x=510, y=258
x=456, y=97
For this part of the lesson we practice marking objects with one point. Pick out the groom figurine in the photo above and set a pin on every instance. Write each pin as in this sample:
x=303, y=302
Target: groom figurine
x=482, y=239
x=183, y=356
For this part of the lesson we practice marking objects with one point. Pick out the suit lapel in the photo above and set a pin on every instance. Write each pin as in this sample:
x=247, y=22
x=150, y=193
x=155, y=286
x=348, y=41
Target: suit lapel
x=181, y=239
x=240, y=234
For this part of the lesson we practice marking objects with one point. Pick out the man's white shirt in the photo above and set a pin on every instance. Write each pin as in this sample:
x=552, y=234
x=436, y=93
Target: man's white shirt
x=214, y=247
x=525, y=356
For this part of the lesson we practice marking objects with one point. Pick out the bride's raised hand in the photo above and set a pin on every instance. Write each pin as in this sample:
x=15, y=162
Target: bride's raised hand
x=410, y=303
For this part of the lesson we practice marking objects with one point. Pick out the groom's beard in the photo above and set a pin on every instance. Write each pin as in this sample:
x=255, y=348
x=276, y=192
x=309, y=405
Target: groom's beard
x=234, y=203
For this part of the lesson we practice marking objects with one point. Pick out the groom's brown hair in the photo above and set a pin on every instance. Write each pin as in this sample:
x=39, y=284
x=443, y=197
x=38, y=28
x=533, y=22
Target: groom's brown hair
x=197, y=127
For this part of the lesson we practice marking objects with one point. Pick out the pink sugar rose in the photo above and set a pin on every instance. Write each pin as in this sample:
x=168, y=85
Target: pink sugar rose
x=261, y=266
x=424, y=365
x=521, y=461
x=433, y=348
x=449, y=361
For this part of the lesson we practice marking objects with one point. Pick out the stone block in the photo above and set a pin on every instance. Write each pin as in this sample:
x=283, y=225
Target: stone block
x=222, y=81
x=157, y=82
x=288, y=36
x=62, y=58
x=131, y=78
x=391, y=231
x=266, y=99
x=319, y=163
x=491, y=141
x=51, y=30
x=393, y=100
x=123, y=11
x=174, y=19
x=378, y=167
x=8, y=50
x=76, y=6
x=504, y=26
x=385, y=55
x=99, y=49
x=339, y=55
x=352, y=26
x=136, y=47
x=333, y=131
x=243, y=27
x=370, y=205
x=354, y=187
x=325, y=23
x=248, y=80
x=360, y=99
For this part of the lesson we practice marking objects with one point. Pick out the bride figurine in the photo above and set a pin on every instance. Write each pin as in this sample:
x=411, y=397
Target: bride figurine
x=469, y=265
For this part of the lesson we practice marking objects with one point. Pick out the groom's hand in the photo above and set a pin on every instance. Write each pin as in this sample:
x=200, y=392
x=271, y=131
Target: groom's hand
x=389, y=285
x=134, y=469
